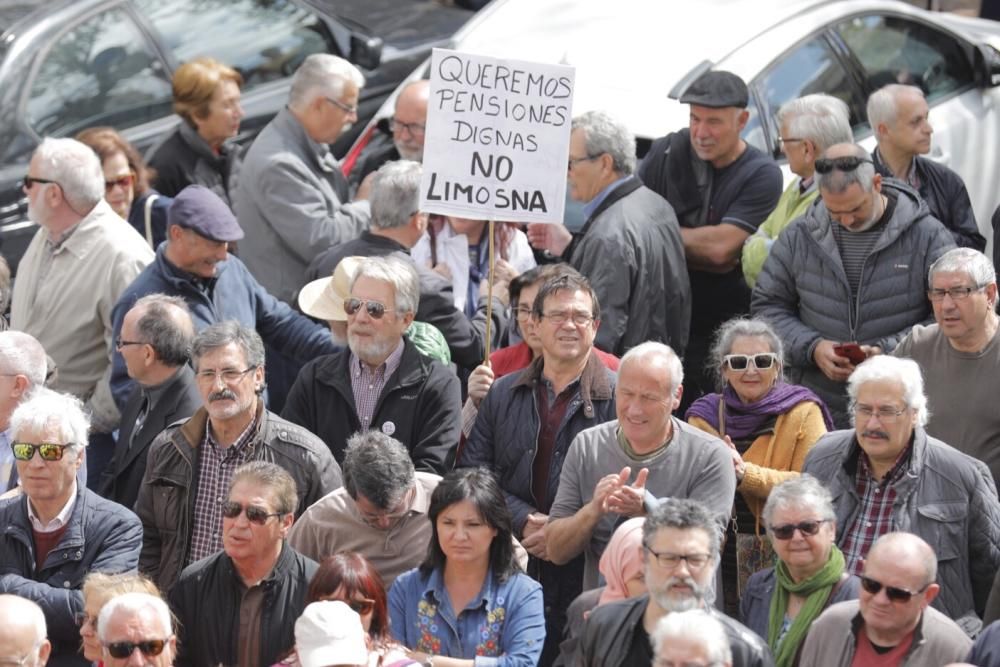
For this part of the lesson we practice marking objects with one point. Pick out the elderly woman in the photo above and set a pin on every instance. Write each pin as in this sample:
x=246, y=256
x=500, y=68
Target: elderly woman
x=126, y=184
x=770, y=426
x=200, y=150
x=98, y=590
x=469, y=598
x=781, y=602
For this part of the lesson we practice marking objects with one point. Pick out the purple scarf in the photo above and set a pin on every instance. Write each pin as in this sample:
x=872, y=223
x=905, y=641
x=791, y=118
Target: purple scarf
x=745, y=419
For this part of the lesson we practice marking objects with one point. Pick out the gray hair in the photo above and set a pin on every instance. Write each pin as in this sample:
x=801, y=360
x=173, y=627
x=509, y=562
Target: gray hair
x=682, y=514
x=883, y=104
x=604, y=134
x=837, y=181
x=696, y=625
x=798, y=492
x=24, y=612
x=742, y=327
x=975, y=264
x=822, y=119
x=22, y=354
x=322, y=74
x=399, y=273
x=133, y=604
x=378, y=467
x=166, y=326
x=266, y=476
x=221, y=334
x=887, y=368
x=913, y=544
x=77, y=170
x=45, y=408
x=659, y=351
x=395, y=194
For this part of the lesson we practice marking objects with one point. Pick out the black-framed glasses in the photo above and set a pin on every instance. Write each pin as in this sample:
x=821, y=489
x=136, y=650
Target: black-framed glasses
x=894, y=594
x=255, y=514
x=740, y=362
x=807, y=528
x=956, y=293
x=228, y=375
x=49, y=451
x=560, y=317
x=376, y=309
x=886, y=414
x=522, y=312
x=415, y=129
x=669, y=561
x=577, y=160
x=825, y=165
x=121, y=342
x=149, y=648
x=31, y=180
x=346, y=108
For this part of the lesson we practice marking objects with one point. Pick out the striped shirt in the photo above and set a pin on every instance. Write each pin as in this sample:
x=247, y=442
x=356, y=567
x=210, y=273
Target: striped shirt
x=367, y=384
x=855, y=247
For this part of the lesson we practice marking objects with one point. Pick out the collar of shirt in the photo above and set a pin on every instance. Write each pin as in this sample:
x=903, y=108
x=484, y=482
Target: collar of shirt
x=591, y=206
x=895, y=472
x=910, y=176
x=154, y=392
x=439, y=592
x=239, y=445
x=60, y=519
x=807, y=185
x=387, y=368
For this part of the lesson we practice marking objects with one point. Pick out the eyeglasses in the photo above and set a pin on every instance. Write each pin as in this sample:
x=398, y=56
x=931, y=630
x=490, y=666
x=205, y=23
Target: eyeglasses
x=120, y=342
x=415, y=129
x=825, y=165
x=956, y=293
x=124, y=182
x=576, y=160
x=49, y=451
x=349, y=110
x=362, y=606
x=669, y=561
x=782, y=140
x=560, y=317
x=885, y=414
x=894, y=594
x=741, y=362
x=375, y=309
x=255, y=514
x=522, y=312
x=82, y=618
x=149, y=648
x=807, y=528
x=31, y=180
x=228, y=375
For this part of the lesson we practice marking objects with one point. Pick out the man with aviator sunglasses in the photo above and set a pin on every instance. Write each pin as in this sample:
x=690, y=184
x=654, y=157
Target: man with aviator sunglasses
x=891, y=624
x=136, y=622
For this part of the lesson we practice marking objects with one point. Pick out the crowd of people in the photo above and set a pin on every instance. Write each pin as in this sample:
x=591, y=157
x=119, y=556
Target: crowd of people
x=248, y=418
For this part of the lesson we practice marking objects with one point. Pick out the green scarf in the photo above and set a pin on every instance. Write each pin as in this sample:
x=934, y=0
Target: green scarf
x=816, y=589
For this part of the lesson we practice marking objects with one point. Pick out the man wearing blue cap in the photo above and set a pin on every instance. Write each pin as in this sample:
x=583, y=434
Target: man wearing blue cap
x=195, y=265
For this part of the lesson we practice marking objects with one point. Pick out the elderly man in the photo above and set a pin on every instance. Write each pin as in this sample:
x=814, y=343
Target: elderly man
x=891, y=622
x=23, y=637
x=680, y=541
x=808, y=125
x=630, y=247
x=195, y=265
x=71, y=275
x=888, y=474
x=961, y=350
x=136, y=622
x=381, y=381
x=22, y=368
x=691, y=637
x=405, y=137
x=721, y=189
x=239, y=606
x=155, y=342
x=898, y=115
x=396, y=226
x=190, y=464
x=381, y=511
x=851, y=271
x=661, y=456
x=56, y=531
x=291, y=198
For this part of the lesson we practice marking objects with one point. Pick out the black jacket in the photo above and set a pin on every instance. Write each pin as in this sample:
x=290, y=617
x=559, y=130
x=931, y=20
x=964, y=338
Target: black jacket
x=122, y=477
x=466, y=338
x=420, y=405
x=183, y=158
x=207, y=600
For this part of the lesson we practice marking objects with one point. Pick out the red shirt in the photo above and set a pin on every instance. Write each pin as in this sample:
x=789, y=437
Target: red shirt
x=507, y=360
x=865, y=654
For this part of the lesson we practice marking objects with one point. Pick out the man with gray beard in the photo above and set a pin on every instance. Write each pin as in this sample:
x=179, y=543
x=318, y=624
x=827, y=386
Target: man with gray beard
x=381, y=381
x=680, y=546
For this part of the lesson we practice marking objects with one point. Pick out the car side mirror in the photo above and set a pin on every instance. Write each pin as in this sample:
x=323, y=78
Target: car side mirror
x=987, y=66
x=366, y=51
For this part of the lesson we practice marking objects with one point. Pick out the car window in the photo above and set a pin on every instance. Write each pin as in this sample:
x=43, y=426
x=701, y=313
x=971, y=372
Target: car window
x=264, y=40
x=102, y=71
x=897, y=50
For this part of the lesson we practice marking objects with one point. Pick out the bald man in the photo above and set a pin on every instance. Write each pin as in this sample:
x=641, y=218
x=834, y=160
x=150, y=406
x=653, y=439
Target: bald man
x=406, y=128
x=23, y=638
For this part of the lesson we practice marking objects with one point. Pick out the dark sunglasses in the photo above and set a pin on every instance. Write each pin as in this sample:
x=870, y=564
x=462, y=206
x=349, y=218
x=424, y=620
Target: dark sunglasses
x=31, y=180
x=375, y=309
x=149, y=648
x=25, y=451
x=786, y=531
x=891, y=592
x=361, y=607
x=255, y=514
x=740, y=362
x=825, y=165
x=124, y=182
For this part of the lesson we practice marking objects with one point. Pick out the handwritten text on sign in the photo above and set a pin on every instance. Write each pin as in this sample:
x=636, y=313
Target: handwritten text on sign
x=497, y=138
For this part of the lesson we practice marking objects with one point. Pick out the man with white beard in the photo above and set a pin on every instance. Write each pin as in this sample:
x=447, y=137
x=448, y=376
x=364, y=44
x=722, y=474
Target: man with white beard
x=680, y=541
x=381, y=381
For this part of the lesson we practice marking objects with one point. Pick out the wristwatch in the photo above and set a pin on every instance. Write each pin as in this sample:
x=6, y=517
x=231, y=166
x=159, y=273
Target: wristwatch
x=428, y=662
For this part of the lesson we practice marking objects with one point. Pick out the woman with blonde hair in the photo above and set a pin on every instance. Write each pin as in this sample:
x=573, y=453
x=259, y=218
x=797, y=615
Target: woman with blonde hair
x=98, y=590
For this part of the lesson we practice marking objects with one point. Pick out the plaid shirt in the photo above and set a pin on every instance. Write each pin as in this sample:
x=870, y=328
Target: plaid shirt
x=875, y=516
x=215, y=469
x=367, y=385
